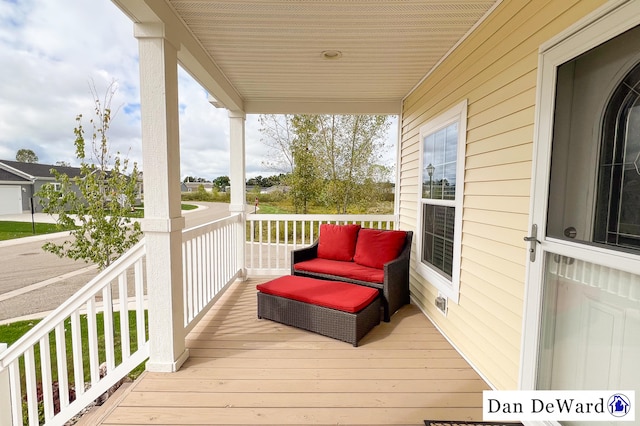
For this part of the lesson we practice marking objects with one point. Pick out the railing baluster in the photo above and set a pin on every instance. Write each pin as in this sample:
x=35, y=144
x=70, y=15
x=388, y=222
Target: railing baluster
x=277, y=244
x=47, y=382
x=107, y=309
x=185, y=268
x=61, y=358
x=123, y=292
x=251, y=243
x=76, y=345
x=295, y=233
x=139, y=291
x=5, y=393
x=200, y=275
x=31, y=388
x=16, y=393
x=92, y=333
x=269, y=244
x=260, y=241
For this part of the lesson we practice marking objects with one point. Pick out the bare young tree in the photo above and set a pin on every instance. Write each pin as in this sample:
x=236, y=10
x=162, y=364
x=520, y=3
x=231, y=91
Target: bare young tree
x=278, y=134
x=106, y=191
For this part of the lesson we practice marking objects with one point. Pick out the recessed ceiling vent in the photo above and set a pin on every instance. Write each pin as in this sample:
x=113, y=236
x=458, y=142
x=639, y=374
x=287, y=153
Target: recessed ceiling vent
x=331, y=54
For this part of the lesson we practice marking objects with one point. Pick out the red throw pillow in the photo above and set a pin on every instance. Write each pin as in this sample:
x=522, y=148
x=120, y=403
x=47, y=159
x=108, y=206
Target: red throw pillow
x=376, y=247
x=337, y=242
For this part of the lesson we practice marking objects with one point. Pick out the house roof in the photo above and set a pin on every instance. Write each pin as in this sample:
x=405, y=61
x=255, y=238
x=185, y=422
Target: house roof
x=30, y=171
x=266, y=56
x=6, y=176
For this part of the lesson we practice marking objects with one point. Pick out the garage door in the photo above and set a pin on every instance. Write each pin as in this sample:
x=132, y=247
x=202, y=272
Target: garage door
x=10, y=199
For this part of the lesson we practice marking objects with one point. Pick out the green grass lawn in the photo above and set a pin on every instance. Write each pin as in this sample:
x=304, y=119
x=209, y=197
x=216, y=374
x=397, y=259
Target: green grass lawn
x=11, y=230
x=188, y=207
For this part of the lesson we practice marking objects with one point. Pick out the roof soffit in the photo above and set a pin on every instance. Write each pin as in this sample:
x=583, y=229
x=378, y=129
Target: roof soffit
x=265, y=56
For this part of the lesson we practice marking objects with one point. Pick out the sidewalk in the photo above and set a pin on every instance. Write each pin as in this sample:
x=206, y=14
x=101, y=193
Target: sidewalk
x=26, y=217
x=46, y=218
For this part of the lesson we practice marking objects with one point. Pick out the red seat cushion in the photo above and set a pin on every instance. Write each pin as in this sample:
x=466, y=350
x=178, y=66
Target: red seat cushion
x=348, y=270
x=376, y=247
x=330, y=294
x=337, y=242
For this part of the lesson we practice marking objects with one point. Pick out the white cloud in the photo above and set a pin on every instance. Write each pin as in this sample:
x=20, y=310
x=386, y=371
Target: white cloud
x=52, y=51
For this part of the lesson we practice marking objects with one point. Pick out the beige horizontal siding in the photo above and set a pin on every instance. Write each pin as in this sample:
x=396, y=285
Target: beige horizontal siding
x=495, y=69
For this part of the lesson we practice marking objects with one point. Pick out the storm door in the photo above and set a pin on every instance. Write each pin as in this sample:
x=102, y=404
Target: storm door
x=582, y=318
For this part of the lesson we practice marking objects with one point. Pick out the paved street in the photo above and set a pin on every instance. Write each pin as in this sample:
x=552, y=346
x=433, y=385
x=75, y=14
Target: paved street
x=34, y=281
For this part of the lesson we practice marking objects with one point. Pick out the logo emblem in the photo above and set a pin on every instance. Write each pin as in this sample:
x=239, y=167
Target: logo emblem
x=619, y=405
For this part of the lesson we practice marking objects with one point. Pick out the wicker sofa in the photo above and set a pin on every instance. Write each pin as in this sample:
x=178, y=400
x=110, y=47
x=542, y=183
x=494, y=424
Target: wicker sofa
x=364, y=256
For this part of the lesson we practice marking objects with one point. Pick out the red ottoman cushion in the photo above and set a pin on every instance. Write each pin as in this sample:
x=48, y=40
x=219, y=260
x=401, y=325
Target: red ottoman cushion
x=329, y=294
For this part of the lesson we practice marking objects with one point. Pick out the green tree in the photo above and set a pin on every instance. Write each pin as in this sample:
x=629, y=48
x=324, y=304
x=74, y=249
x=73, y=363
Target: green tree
x=305, y=180
x=221, y=182
x=342, y=151
x=106, y=192
x=352, y=146
x=26, y=156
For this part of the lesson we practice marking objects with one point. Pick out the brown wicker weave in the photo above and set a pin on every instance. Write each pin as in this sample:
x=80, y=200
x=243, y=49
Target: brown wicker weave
x=345, y=326
x=395, y=288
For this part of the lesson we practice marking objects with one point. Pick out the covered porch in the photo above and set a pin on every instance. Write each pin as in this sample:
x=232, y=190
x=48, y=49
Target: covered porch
x=209, y=359
x=243, y=370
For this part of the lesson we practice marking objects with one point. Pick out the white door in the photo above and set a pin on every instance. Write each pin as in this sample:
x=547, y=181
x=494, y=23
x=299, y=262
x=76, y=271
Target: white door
x=10, y=199
x=582, y=309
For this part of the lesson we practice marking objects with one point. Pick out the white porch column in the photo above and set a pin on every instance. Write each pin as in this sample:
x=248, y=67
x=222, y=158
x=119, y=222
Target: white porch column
x=163, y=221
x=237, y=178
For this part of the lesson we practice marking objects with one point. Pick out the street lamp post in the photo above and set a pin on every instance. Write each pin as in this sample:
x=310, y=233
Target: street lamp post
x=430, y=169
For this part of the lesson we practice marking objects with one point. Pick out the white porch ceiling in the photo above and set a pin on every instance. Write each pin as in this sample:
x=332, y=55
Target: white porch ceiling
x=265, y=56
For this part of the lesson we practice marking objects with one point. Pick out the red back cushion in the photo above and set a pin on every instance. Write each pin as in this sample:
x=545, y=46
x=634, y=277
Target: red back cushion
x=376, y=247
x=337, y=242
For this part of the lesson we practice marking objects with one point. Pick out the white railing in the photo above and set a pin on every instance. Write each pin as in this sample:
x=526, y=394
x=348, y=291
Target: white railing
x=104, y=347
x=209, y=265
x=271, y=237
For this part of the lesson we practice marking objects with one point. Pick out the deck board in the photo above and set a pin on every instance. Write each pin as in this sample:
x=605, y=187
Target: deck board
x=246, y=371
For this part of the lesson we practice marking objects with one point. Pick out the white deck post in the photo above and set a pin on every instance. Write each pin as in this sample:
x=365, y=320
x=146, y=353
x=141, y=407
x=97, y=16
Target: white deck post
x=237, y=178
x=5, y=393
x=163, y=221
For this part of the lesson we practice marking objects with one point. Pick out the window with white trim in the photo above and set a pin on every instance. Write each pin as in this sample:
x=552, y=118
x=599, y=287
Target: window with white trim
x=442, y=154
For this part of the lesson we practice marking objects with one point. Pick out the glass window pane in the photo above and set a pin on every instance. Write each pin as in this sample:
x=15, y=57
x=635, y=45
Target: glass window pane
x=449, y=182
x=439, y=147
x=590, y=327
x=614, y=219
x=437, y=248
x=451, y=148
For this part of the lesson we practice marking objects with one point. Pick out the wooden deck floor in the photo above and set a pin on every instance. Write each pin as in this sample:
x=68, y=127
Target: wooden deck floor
x=245, y=371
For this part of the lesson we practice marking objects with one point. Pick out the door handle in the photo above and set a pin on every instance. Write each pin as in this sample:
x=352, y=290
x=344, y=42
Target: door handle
x=570, y=232
x=533, y=241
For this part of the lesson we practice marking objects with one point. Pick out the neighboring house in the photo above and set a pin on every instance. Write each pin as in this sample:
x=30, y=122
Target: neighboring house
x=193, y=186
x=480, y=119
x=19, y=182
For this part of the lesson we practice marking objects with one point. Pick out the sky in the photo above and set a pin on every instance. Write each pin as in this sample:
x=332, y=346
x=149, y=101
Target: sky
x=53, y=51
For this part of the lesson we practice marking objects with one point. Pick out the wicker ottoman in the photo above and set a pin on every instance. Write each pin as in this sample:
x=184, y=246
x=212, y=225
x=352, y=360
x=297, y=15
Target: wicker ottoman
x=339, y=310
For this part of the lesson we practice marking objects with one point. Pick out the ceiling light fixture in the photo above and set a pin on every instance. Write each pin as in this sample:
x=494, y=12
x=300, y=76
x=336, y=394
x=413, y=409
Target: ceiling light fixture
x=331, y=54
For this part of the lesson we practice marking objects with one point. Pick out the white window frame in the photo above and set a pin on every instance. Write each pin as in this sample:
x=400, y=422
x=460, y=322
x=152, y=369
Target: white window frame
x=447, y=287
